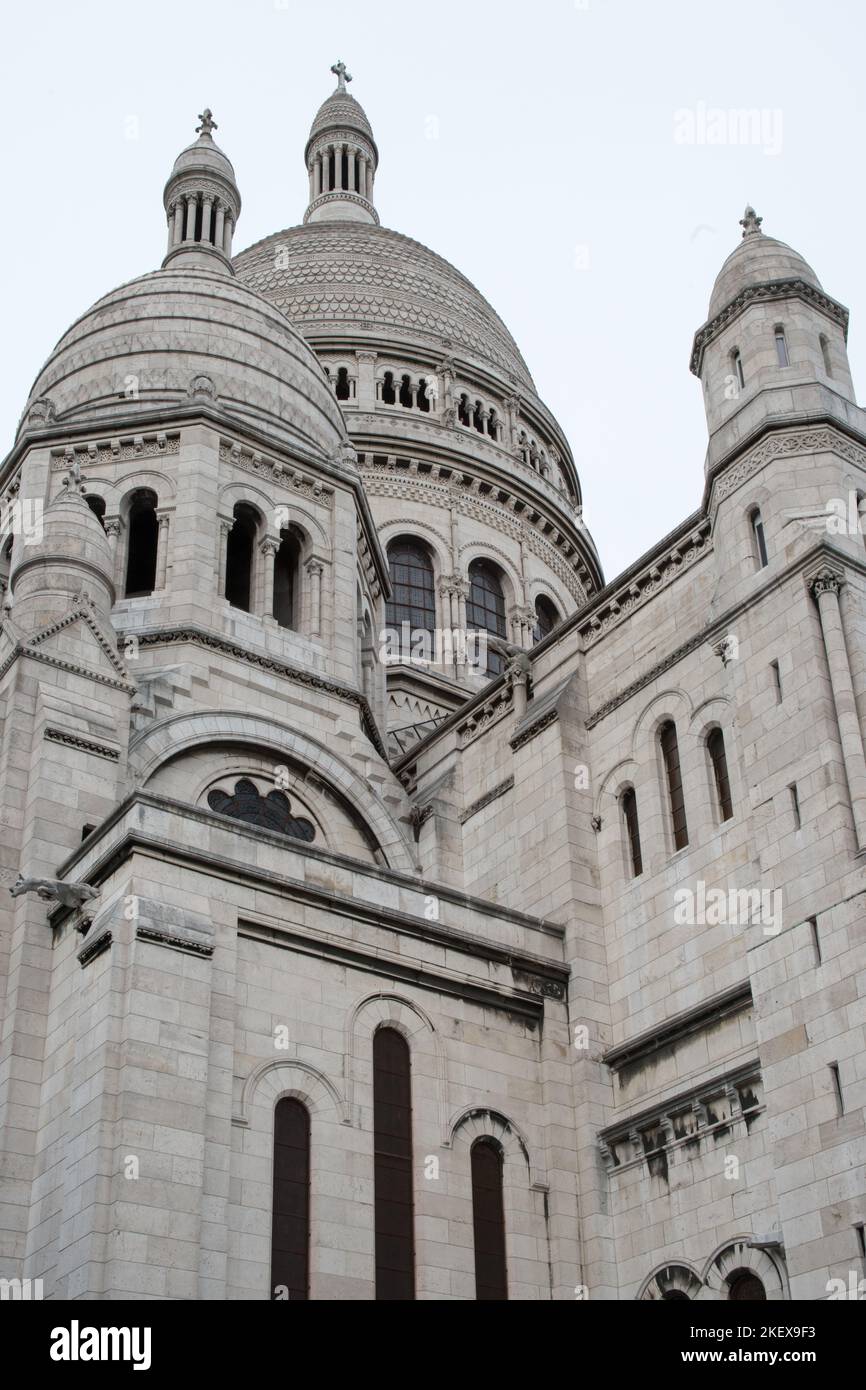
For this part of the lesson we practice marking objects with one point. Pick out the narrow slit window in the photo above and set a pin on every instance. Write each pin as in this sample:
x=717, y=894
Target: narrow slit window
x=290, y=1222
x=782, y=348
x=777, y=681
x=392, y=1167
x=719, y=760
x=837, y=1088
x=488, y=1221
x=825, y=353
x=673, y=774
x=737, y=368
x=632, y=830
x=816, y=940
x=761, y=552
x=795, y=806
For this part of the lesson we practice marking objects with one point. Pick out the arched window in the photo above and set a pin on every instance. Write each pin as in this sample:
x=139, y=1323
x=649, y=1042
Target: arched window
x=781, y=347
x=287, y=567
x=290, y=1221
x=143, y=541
x=343, y=389
x=628, y=801
x=492, y=424
x=406, y=394
x=392, y=1164
x=673, y=775
x=488, y=1221
x=760, y=539
x=478, y=417
x=239, y=557
x=546, y=617
x=737, y=368
x=825, y=353
x=719, y=760
x=414, y=591
x=97, y=506
x=744, y=1286
x=423, y=398
x=389, y=393
x=6, y=563
x=485, y=608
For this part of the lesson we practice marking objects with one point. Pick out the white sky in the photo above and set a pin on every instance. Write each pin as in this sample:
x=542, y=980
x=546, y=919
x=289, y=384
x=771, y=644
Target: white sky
x=554, y=126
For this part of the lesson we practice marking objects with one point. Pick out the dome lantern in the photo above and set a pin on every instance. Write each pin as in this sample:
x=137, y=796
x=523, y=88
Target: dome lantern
x=202, y=203
x=341, y=159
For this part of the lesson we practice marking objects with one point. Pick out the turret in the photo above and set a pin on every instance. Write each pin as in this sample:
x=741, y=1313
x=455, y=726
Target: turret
x=202, y=203
x=341, y=158
x=774, y=344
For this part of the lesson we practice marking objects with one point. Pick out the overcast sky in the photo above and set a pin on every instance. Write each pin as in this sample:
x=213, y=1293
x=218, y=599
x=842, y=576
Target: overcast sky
x=558, y=152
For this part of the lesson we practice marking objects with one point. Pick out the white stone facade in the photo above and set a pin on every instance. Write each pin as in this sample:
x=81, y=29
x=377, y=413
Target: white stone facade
x=676, y=1090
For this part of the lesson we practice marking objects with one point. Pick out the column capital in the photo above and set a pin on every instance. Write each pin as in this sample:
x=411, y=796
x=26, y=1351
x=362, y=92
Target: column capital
x=826, y=581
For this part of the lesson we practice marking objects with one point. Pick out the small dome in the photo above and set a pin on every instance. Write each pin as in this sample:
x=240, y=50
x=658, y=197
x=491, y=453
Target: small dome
x=204, y=156
x=178, y=335
x=341, y=112
x=73, y=553
x=757, y=260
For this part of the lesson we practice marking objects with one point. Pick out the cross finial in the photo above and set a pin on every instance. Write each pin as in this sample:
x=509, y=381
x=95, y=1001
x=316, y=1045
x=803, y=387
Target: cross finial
x=207, y=122
x=750, y=222
x=342, y=75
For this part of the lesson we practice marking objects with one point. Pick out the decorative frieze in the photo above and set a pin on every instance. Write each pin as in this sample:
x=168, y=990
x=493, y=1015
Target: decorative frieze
x=639, y=590
x=502, y=790
x=83, y=745
x=99, y=452
x=284, y=474
x=789, y=444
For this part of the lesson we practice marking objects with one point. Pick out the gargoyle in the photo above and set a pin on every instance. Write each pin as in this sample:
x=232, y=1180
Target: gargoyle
x=55, y=890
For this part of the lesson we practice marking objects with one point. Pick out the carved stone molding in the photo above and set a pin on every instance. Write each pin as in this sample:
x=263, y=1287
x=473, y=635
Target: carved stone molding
x=502, y=790
x=638, y=591
x=766, y=293
x=83, y=745
x=785, y=445
x=283, y=473
x=116, y=451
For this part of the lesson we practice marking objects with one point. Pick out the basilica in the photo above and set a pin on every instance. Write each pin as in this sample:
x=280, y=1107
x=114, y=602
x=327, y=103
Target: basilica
x=340, y=967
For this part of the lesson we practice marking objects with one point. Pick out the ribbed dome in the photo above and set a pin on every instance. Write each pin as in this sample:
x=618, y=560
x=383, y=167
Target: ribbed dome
x=757, y=260
x=375, y=282
x=203, y=154
x=182, y=333
x=341, y=112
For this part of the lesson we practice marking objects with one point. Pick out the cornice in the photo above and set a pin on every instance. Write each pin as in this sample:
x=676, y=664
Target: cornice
x=171, y=636
x=771, y=290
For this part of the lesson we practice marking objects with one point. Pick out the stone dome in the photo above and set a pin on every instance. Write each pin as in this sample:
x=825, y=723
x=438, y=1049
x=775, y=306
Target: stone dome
x=189, y=333
x=341, y=112
x=378, y=284
x=204, y=156
x=757, y=260
x=72, y=553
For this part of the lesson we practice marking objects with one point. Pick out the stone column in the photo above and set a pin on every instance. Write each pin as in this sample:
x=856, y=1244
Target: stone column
x=227, y=235
x=362, y=176
x=315, y=570
x=191, y=208
x=317, y=176
x=113, y=528
x=224, y=533
x=338, y=167
x=177, y=228
x=220, y=230
x=826, y=587
x=162, y=549
x=206, y=215
x=268, y=549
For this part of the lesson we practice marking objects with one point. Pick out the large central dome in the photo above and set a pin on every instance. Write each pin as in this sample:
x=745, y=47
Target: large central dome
x=374, y=281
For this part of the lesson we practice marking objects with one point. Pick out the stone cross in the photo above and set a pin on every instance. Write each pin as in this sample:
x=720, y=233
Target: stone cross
x=207, y=122
x=342, y=75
